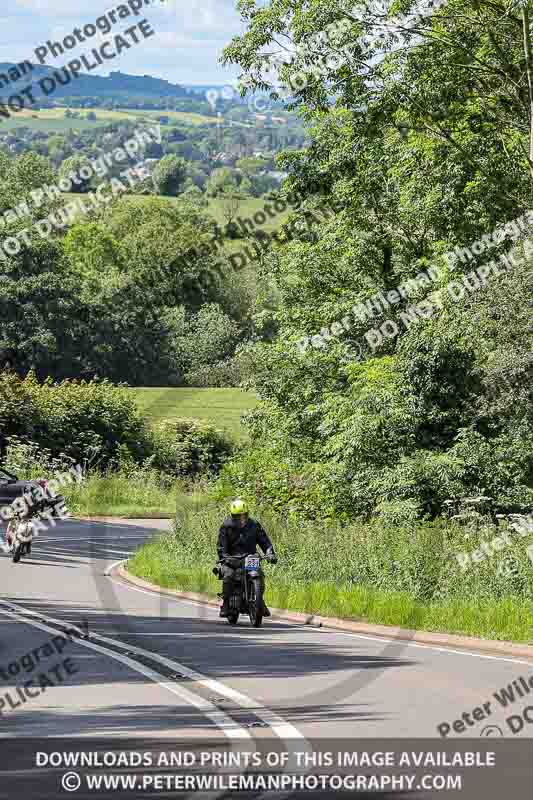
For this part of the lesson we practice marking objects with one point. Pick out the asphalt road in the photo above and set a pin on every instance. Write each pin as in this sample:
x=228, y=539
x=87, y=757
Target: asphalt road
x=154, y=667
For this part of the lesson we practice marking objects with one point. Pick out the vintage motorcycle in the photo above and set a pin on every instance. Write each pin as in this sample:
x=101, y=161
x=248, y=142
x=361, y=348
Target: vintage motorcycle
x=249, y=584
x=20, y=533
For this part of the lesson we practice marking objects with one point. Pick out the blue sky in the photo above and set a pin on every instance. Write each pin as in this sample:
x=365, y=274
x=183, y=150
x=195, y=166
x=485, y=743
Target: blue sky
x=190, y=35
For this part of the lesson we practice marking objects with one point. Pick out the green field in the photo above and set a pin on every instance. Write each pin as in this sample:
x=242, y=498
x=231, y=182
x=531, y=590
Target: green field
x=49, y=124
x=249, y=207
x=53, y=119
x=187, y=117
x=222, y=407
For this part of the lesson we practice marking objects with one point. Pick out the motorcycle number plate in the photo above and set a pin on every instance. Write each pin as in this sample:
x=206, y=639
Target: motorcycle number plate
x=251, y=563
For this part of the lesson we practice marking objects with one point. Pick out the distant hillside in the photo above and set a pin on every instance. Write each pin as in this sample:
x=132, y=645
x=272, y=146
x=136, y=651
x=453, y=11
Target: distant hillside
x=94, y=85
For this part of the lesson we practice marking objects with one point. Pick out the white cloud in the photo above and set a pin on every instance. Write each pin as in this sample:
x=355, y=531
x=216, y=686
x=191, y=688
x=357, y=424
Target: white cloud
x=48, y=9
x=190, y=35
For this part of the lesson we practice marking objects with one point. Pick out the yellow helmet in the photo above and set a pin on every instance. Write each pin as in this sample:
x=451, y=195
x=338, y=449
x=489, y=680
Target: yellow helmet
x=239, y=507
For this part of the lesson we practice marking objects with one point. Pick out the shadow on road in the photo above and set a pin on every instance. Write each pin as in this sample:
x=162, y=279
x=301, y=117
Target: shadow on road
x=330, y=670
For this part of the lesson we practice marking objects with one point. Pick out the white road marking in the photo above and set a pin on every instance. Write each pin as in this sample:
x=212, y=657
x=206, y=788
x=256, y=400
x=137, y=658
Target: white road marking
x=230, y=728
x=39, y=551
x=128, y=633
x=90, y=538
x=279, y=726
x=64, y=552
x=310, y=629
x=435, y=647
x=111, y=567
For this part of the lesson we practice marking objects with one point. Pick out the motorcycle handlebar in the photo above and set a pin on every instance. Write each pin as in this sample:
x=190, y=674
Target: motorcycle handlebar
x=241, y=558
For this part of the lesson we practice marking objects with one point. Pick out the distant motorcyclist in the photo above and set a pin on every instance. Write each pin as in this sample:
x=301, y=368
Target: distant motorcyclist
x=22, y=521
x=240, y=535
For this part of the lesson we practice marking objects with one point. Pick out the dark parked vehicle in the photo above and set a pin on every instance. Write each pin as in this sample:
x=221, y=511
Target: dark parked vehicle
x=12, y=487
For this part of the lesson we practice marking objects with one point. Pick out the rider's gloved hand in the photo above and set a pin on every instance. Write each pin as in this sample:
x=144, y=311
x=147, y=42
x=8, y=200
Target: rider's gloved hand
x=272, y=557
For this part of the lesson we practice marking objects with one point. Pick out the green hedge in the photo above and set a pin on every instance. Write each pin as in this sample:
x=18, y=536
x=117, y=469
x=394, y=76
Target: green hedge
x=98, y=423
x=190, y=447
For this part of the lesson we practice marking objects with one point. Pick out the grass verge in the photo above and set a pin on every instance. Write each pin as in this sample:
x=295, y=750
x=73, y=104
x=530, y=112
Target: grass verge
x=398, y=577
x=122, y=496
x=504, y=620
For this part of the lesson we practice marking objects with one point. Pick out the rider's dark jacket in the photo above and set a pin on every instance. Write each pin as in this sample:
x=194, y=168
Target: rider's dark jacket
x=233, y=540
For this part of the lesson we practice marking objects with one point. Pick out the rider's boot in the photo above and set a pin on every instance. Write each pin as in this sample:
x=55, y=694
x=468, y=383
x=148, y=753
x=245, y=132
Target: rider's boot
x=224, y=609
x=266, y=610
x=226, y=595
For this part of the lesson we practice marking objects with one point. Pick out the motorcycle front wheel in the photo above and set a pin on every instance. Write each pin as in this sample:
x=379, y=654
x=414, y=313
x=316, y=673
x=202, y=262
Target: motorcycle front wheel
x=255, y=603
x=233, y=614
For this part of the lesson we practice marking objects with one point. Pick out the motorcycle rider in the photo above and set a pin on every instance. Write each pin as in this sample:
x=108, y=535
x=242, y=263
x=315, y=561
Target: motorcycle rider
x=23, y=517
x=7, y=544
x=239, y=535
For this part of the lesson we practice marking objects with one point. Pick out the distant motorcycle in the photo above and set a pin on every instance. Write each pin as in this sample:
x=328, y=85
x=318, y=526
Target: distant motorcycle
x=19, y=535
x=248, y=595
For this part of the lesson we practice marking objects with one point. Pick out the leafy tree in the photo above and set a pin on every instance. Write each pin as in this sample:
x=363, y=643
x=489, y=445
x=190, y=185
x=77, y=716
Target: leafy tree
x=70, y=169
x=169, y=175
x=203, y=339
x=195, y=195
x=251, y=166
x=93, y=252
x=420, y=140
x=221, y=180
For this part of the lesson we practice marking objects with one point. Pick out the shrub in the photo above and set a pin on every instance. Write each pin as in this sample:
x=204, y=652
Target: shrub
x=399, y=512
x=82, y=417
x=76, y=421
x=19, y=415
x=188, y=447
x=98, y=423
x=227, y=373
x=27, y=459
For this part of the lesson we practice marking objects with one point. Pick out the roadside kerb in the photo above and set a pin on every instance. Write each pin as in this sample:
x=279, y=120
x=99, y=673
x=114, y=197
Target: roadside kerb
x=410, y=636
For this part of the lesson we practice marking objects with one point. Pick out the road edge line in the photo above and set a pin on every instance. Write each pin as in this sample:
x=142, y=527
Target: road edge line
x=452, y=641
x=228, y=726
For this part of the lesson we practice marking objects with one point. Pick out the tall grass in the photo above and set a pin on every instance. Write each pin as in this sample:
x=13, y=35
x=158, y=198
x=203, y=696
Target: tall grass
x=121, y=495
x=130, y=490
x=407, y=576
